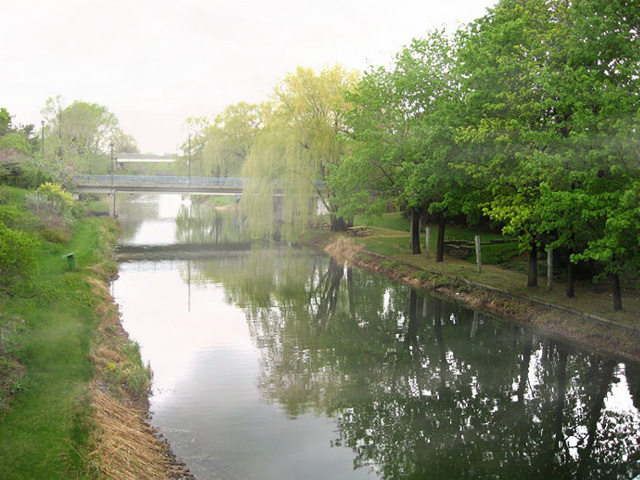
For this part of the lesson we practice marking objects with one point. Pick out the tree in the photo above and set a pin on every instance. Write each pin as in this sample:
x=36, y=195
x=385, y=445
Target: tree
x=400, y=128
x=16, y=145
x=229, y=139
x=552, y=95
x=78, y=129
x=596, y=90
x=508, y=122
x=122, y=142
x=79, y=136
x=300, y=142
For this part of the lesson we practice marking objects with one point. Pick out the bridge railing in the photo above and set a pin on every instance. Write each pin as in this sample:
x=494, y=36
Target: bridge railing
x=172, y=182
x=159, y=180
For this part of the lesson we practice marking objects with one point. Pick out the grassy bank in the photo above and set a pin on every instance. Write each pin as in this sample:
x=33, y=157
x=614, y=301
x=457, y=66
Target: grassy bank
x=47, y=427
x=587, y=319
x=73, y=385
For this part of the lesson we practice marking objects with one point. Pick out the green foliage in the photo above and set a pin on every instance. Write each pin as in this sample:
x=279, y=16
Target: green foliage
x=79, y=137
x=16, y=218
x=228, y=140
x=299, y=143
x=53, y=205
x=57, y=193
x=18, y=263
x=130, y=373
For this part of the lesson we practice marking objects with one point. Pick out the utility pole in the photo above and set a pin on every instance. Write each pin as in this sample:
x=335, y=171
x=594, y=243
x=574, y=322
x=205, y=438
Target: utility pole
x=42, y=141
x=189, y=159
x=112, y=167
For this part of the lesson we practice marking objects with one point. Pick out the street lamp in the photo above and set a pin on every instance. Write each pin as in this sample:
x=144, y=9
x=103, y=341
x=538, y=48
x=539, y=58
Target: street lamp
x=42, y=141
x=112, y=167
x=189, y=159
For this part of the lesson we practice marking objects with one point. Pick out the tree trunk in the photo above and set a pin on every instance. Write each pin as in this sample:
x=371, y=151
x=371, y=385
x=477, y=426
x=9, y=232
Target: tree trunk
x=415, y=232
x=532, y=279
x=617, y=291
x=440, y=246
x=571, y=290
x=339, y=224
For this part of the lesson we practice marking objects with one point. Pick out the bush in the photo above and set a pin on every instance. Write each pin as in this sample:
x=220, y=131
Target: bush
x=53, y=205
x=16, y=218
x=18, y=262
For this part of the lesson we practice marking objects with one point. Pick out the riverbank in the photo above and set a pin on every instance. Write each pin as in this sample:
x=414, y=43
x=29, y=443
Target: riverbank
x=615, y=334
x=74, y=392
x=124, y=444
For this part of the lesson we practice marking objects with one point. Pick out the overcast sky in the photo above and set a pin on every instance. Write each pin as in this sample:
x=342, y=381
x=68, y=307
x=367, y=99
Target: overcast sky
x=154, y=63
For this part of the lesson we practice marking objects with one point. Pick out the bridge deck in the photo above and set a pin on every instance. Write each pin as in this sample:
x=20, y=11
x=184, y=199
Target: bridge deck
x=158, y=183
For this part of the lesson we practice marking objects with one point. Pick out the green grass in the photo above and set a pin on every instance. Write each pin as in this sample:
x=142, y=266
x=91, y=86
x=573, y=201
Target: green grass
x=504, y=268
x=391, y=221
x=391, y=238
x=43, y=434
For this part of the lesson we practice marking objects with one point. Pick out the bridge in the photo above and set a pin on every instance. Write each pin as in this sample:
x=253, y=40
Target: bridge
x=158, y=184
x=113, y=184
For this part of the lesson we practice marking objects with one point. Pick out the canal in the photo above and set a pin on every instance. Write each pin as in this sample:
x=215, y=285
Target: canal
x=280, y=363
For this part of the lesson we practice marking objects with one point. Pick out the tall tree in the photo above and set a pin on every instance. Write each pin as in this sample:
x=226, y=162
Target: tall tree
x=229, y=139
x=16, y=146
x=300, y=142
x=508, y=122
x=596, y=95
x=400, y=128
x=78, y=136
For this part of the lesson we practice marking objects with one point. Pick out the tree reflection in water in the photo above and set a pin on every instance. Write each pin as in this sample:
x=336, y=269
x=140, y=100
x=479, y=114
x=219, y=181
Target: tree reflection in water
x=424, y=388
x=200, y=223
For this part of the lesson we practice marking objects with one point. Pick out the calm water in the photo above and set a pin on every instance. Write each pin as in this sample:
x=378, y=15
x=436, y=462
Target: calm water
x=283, y=364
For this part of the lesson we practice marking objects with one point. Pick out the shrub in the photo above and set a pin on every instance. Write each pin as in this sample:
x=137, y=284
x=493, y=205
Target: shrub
x=16, y=218
x=18, y=262
x=53, y=205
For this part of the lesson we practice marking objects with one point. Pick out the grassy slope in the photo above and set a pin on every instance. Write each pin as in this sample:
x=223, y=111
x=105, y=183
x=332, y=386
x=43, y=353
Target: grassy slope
x=391, y=238
x=41, y=433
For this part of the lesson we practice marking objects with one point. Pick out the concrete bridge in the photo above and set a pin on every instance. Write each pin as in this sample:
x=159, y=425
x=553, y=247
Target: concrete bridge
x=113, y=184
x=158, y=184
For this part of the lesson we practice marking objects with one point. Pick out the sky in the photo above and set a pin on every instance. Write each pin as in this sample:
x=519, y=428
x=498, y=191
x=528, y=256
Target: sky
x=154, y=63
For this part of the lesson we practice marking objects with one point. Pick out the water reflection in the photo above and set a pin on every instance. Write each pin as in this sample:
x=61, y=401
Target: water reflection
x=198, y=223
x=423, y=388
x=271, y=363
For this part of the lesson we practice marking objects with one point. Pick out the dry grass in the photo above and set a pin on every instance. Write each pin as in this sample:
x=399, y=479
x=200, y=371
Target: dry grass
x=127, y=448
x=124, y=445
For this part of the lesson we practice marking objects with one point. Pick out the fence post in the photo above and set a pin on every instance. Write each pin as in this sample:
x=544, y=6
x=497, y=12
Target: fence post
x=478, y=253
x=427, y=245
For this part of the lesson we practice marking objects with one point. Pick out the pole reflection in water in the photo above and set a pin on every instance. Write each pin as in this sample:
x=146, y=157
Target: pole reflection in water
x=285, y=364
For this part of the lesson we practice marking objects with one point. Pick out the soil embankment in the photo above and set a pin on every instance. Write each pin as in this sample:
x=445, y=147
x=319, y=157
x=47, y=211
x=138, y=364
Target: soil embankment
x=581, y=328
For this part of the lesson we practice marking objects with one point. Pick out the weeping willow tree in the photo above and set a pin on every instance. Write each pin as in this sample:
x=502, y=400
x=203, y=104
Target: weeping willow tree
x=228, y=140
x=293, y=153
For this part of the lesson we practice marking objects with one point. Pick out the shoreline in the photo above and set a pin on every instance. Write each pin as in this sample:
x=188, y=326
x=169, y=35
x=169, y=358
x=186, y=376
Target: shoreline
x=152, y=454
x=581, y=329
x=124, y=442
x=127, y=445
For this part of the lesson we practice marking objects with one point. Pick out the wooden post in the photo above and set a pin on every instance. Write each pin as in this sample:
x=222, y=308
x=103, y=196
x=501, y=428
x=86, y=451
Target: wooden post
x=550, y=269
x=427, y=245
x=478, y=254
